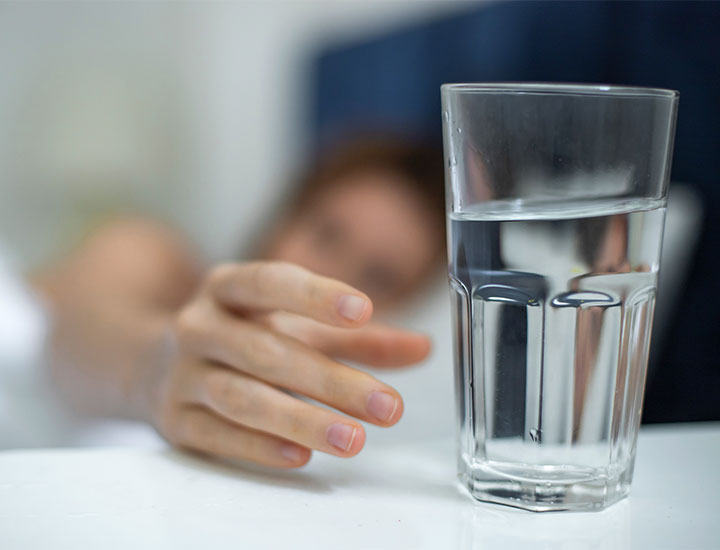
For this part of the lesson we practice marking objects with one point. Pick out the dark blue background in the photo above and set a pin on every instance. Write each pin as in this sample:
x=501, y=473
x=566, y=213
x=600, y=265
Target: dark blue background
x=392, y=82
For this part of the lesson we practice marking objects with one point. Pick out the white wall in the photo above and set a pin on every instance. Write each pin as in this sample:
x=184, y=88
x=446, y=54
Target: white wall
x=193, y=112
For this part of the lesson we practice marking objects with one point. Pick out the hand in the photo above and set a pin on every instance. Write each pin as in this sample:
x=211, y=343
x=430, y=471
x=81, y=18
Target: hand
x=255, y=332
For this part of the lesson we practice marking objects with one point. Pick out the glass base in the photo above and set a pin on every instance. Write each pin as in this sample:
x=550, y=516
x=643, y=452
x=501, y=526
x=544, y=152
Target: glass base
x=575, y=491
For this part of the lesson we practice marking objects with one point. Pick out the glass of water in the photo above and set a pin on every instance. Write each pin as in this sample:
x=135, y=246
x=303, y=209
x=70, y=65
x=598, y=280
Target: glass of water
x=556, y=201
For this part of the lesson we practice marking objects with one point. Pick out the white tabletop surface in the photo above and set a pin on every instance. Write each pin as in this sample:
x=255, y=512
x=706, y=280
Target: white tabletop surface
x=398, y=497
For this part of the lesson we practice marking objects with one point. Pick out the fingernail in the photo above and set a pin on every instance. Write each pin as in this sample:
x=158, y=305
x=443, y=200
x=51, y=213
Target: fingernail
x=293, y=453
x=382, y=406
x=341, y=436
x=352, y=307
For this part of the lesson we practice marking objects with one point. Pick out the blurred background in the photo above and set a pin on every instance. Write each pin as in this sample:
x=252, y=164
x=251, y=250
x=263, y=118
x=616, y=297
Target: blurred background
x=199, y=113
x=206, y=114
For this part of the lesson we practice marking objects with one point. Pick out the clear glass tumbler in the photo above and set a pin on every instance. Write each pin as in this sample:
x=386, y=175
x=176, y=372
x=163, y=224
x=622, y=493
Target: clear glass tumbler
x=556, y=201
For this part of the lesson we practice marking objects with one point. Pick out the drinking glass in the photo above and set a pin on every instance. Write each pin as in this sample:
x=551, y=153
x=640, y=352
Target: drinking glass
x=556, y=199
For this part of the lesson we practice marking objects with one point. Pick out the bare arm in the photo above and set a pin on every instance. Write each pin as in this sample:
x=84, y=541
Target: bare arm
x=137, y=333
x=110, y=302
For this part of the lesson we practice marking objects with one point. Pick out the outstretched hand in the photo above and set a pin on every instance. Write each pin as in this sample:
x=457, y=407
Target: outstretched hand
x=252, y=334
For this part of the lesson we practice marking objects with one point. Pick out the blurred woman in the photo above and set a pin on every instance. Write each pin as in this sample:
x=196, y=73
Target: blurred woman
x=370, y=213
x=211, y=356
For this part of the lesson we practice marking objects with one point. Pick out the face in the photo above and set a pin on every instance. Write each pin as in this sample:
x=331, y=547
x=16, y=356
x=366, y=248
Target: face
x=371, y=230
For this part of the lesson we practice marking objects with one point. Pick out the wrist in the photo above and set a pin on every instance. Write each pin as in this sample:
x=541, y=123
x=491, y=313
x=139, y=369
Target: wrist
x=145, y=384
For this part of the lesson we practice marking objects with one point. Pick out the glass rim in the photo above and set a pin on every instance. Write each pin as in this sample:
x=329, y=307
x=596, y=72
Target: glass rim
x=558, y=88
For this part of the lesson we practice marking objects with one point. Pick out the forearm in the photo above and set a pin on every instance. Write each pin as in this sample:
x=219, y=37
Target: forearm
x=101, y=355
x=110, y=305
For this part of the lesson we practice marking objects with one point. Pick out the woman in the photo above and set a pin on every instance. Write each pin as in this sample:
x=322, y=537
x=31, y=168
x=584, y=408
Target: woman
x=212, y=357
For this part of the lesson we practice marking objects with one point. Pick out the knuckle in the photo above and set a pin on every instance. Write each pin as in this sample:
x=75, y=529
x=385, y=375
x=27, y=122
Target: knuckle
x=313, y=291
x=333, y=387
x=275, y=322
x=256, y=277
x=218, y=388
x=297, y=425
x=195, y=435
x=279, y=271
x=189, y=326
x=231, y=396
x=265, y=350
x=185, y=322
x=170, y=423
x=259, y=277
x=220, y=273
x=272, y=273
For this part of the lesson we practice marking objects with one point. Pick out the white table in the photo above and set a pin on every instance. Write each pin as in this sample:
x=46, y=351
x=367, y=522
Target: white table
x=398, y=497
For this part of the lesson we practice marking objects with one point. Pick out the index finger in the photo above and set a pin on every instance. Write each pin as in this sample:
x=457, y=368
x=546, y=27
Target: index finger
x=373, y=344
x=283, y=286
